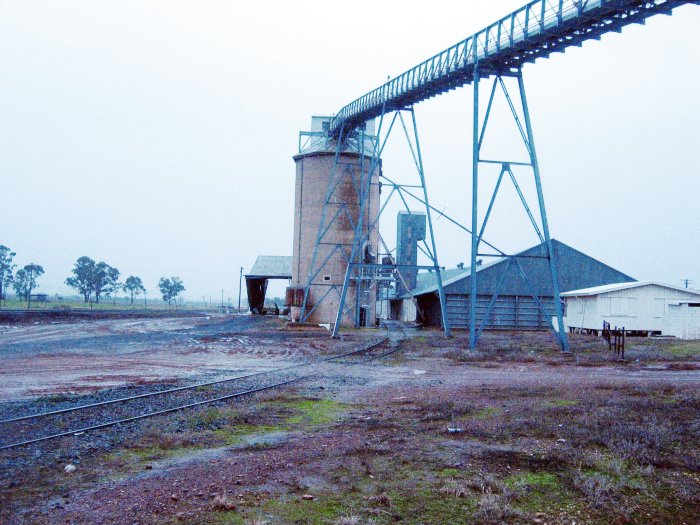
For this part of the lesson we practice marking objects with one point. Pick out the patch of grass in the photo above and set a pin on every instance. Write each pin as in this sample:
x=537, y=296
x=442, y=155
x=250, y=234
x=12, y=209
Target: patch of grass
x=237, y=434
x=311, y=412
x=423, y=504
x=448, y=473
x=540, y=480
x=560, y=403
x=319, y=511
x=540, y=492
x=487, y=412
x=231, y=517
x=208, y=417
x=689, y=349
x=135, y=458
x=427, y=505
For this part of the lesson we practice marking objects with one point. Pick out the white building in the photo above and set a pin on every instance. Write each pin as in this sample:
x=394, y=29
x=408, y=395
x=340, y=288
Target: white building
x=636, y=306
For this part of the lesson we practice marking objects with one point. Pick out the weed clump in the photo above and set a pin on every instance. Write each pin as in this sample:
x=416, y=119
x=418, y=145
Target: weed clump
x=494, y=509
x=222, y=502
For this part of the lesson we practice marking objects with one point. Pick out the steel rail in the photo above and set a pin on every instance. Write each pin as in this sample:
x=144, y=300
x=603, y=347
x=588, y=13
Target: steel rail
x=143, y=416
x=175, y=389
x=107, y=424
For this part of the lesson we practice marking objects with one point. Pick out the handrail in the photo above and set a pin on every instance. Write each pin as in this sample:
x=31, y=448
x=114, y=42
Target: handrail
x=535, y=30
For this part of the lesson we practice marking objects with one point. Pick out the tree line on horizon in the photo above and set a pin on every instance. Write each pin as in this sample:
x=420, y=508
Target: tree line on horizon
x=90, y=279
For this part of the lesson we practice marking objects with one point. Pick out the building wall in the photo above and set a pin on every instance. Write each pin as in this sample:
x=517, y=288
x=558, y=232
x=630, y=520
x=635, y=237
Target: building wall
x=397, y=309
x=684, y=320
x=582, y=312
x=643, y=308
x=509, y=312
x=313, y=173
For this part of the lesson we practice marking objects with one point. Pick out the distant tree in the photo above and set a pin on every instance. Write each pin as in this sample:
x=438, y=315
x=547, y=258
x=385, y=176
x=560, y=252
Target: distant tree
x=133, y=286
x=25, y=281
x=19, y=283
x=91, y=278
x=83, y=275
x=105, y=280
x=170, y=288
x=6, y=268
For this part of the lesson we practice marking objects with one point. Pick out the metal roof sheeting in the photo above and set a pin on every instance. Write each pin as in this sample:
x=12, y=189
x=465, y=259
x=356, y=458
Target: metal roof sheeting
x=597, y=290
x=272, y=267
x=427, y=281
x=576, y=271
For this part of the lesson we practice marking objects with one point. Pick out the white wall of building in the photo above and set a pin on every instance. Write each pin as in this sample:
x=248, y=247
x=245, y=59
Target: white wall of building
x=684, y=320
x=642, y=307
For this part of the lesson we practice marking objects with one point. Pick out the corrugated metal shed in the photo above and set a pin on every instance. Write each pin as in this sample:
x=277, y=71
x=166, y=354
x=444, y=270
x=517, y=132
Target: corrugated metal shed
x=515, y=307
x=640, y=306
x=272, y=267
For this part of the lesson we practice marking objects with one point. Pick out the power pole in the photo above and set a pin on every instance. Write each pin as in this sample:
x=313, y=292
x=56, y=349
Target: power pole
x=240, y=281
x=687, y=282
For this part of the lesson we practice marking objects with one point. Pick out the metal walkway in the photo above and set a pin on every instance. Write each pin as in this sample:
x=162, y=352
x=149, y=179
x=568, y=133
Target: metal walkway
x=535, y=30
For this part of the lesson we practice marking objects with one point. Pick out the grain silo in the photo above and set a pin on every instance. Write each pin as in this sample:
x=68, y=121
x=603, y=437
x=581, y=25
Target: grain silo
x=325, y=217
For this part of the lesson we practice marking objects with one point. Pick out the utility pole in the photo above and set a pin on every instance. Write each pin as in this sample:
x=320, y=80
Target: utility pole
x=687, y=282
x=240, y=281
x=145, y=300
x=222, y=300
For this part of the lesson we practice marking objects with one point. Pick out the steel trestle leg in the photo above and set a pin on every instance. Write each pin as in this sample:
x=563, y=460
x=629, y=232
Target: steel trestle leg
x=563, y=340
x=475, y=218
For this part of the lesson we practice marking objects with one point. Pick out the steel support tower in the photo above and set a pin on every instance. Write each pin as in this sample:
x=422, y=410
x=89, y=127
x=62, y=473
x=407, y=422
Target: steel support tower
x=536, y=30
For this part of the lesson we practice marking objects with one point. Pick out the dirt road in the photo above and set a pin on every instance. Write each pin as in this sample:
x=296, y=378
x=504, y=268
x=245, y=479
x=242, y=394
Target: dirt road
x=43, y=359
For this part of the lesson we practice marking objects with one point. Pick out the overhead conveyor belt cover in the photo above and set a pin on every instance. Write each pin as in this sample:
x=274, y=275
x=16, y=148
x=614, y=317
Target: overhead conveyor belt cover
x=535, y=30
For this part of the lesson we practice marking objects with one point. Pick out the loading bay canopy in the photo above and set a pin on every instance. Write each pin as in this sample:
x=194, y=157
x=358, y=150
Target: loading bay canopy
x=266, y=267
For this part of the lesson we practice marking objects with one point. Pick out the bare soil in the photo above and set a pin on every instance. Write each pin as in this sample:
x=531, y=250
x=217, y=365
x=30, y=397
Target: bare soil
x=432, y=434
x=73, y=357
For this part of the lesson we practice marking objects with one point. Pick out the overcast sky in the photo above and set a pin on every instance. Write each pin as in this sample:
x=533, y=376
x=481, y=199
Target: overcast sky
x=158, y=135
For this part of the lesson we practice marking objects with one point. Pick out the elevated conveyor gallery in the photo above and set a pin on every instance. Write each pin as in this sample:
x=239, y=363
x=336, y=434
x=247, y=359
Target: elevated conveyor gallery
x=536, y=30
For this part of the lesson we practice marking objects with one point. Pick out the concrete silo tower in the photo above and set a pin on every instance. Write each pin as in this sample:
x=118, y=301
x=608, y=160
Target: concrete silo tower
x=333, y=185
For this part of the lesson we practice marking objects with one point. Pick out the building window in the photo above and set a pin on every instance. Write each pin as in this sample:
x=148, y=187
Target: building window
x=327, y=278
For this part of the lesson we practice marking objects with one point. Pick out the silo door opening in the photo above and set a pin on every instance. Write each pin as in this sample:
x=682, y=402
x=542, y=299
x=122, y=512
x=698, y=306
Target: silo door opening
x=364, y=311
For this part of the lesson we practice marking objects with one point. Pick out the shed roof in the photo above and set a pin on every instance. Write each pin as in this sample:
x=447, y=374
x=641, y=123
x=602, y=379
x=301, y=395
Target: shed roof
x=576, y=270
x=597, y=290
x=427, y=281
x=272, y=267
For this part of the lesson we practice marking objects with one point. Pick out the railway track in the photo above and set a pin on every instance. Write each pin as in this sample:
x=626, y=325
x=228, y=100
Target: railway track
x=30, y=429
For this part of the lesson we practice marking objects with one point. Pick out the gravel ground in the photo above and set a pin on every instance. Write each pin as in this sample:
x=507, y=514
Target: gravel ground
x=71, y=449
x=46, y=359
x=264, y=454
